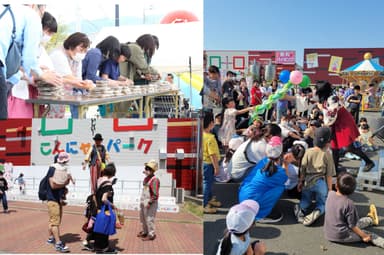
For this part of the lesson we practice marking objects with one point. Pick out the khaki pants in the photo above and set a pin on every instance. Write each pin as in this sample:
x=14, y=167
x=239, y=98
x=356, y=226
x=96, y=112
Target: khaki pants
x=147, y=218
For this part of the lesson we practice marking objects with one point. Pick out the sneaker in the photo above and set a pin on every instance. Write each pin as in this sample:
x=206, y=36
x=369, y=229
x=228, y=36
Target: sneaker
x=142, y=234
x=107, y=251
x=209, y=210
x=51, y=240
x=267, y=220
x=214, y=202
x=311, y=218
x=149, y=238
x=373, y=214
x=87, y=247
x=298, y=213
x=368, y=167
x=349, y=155
x=61, y=247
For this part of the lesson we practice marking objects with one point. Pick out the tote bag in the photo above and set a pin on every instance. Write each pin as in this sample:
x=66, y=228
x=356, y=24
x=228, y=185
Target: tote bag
x=105, y=224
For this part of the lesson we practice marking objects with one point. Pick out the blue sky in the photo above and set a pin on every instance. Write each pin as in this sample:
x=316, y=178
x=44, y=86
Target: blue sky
x=292, y=24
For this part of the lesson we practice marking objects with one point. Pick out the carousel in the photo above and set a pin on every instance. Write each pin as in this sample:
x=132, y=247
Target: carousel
x=369, y=71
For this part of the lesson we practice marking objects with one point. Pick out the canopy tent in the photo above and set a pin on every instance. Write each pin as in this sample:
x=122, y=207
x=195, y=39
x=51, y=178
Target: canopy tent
x=365, y=72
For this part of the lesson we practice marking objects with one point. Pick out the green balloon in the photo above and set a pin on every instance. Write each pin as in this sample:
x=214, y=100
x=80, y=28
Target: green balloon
x=305, y=82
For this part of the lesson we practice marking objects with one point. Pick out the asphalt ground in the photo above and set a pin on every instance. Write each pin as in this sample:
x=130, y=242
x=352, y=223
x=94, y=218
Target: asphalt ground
x=25, y=230
x=290, y=237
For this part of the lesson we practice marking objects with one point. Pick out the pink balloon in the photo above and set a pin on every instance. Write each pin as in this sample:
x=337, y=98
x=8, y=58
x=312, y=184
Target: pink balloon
x=296, y=77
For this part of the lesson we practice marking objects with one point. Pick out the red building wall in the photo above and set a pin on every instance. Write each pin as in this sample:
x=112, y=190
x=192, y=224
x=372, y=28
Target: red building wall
x=15, y=141
x=351, y=56
x=182, y=134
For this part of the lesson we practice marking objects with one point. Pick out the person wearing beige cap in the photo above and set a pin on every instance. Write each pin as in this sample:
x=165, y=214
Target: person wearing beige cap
x=149, y=201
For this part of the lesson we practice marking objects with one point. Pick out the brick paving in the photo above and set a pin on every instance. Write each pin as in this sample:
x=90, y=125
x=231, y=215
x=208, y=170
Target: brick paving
x=24, y=230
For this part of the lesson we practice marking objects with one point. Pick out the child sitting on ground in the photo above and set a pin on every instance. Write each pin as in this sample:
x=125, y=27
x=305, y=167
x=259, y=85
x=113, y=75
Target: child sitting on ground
x=62, y=174
x=366, y=139
x=342, y=223
x=237, y=240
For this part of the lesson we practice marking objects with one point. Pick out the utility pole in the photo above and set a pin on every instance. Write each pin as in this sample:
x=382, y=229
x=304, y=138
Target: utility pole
x=117, y=16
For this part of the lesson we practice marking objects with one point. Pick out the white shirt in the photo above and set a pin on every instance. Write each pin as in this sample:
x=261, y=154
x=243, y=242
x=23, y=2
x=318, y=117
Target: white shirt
x=239, y=164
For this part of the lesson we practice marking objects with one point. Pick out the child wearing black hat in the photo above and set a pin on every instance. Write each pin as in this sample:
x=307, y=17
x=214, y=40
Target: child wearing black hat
x=317, y=170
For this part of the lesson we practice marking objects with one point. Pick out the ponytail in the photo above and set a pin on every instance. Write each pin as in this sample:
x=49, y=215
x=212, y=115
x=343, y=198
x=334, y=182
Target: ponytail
x=226, y=244
x=270, y=167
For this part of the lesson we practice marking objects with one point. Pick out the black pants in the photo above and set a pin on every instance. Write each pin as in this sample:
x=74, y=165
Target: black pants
x=101, y=241
x=352, y=149
x=355, y=114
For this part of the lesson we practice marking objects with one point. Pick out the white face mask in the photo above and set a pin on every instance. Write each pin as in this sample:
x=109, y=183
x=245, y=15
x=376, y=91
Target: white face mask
x=79, y=57
x=46, y=38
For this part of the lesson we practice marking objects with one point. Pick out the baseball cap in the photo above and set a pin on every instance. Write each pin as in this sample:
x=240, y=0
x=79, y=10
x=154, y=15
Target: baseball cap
x=241, y=216
x=322, y=136
x=63, y=157
x=274, y=147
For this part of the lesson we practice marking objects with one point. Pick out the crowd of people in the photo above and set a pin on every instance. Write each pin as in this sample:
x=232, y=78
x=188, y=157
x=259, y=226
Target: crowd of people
x=73, y=66
x=100, y=204
x=293, y=148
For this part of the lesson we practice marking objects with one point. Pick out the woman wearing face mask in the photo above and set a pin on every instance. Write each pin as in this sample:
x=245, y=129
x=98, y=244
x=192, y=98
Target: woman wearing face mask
x=67, y=62
x=18, y=107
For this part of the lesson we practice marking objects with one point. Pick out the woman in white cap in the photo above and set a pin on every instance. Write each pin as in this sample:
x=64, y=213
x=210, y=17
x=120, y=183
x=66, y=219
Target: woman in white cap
x=237, y=240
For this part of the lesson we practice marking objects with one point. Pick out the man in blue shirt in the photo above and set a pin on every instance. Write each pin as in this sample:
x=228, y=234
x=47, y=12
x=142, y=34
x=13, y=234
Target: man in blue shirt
x=28, y=37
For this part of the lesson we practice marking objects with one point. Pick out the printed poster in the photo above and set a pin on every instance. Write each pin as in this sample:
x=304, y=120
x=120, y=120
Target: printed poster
x=335, y=64
x=312, y=60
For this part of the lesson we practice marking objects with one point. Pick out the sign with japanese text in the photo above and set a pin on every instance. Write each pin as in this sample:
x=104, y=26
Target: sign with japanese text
x=285, y=57
x=128, y=141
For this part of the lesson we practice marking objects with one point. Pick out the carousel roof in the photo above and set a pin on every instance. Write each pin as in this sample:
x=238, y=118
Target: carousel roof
x=368, y=64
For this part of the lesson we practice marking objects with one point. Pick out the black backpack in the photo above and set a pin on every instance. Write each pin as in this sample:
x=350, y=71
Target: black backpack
x=91, y=202
x=43, y=188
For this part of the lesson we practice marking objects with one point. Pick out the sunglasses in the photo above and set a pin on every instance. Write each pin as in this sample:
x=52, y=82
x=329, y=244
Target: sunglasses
x=147, y=168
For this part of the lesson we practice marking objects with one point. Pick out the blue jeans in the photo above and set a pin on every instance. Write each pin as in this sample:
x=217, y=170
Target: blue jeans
x=280, y=112
x=208, y=179
x=3, y=197
x=320, y=190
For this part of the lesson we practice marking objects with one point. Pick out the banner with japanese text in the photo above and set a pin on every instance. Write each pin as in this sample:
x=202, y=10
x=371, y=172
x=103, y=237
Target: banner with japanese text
x=285, y=57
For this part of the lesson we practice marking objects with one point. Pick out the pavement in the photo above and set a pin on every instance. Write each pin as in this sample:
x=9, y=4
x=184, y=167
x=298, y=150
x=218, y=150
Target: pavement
x=24, y=230
x=289, y=237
